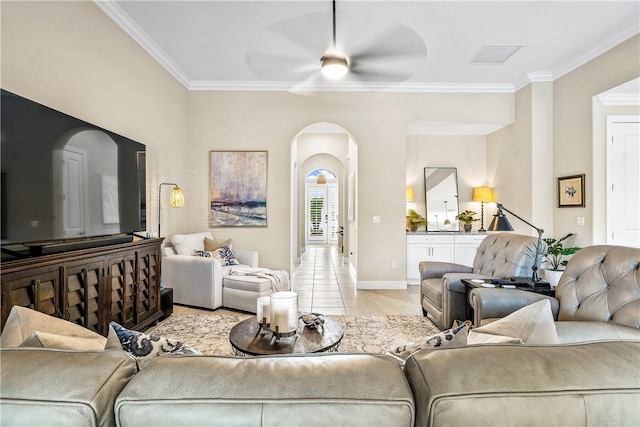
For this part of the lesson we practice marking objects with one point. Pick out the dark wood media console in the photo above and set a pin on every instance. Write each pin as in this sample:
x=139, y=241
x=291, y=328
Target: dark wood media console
x=90, y=287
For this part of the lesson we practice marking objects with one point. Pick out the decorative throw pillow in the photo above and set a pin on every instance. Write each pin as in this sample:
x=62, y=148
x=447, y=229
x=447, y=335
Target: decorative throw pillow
x=532, y=324
x=225, y=256
x=455, y=337
x=22, y=321
x=145, y=346
x=212, y=244
x=204, y=254
x=185, y=244
x=61, y=342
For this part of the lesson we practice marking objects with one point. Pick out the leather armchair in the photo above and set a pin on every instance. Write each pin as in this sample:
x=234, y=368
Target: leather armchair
x=443, y=295
x=597, y=297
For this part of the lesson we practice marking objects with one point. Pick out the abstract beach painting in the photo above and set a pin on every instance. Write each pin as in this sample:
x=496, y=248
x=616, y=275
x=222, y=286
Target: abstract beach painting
x=238, y=189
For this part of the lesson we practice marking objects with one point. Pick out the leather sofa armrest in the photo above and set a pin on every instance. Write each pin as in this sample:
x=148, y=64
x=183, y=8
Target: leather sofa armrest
x=496, y=303
x=247, y=257
x=435, y=269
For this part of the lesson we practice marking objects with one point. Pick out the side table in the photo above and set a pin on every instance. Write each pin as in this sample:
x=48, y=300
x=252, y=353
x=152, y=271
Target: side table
x=470, y=284
x=166, y=302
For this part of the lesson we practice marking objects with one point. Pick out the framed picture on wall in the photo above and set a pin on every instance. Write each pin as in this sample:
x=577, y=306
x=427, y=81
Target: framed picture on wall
x=571, y=191
x=238, y=189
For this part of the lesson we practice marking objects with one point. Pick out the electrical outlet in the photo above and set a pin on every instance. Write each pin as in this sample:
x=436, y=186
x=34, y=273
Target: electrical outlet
x=394, y=264
x=579, y=220
x=376, y=219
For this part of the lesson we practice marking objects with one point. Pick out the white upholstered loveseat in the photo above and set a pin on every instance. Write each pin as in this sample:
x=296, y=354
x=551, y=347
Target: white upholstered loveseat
x=197, y=281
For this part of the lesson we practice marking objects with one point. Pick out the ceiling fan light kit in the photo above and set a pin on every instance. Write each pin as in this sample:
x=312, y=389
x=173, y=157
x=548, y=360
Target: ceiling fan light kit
x=334, y=64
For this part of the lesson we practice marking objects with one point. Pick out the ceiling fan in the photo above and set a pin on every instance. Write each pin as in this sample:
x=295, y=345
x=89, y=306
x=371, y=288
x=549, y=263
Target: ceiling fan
x=381, y=61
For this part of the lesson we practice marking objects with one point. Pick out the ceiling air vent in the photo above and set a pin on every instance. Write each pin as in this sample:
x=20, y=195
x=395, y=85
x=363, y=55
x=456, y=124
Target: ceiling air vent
x=494, y=54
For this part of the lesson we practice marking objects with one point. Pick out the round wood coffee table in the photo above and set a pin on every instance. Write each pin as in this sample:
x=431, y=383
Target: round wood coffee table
x=247, y=339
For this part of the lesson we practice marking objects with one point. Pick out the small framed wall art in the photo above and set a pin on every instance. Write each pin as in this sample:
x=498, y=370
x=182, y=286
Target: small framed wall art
x=238, y=189
x=571, y=191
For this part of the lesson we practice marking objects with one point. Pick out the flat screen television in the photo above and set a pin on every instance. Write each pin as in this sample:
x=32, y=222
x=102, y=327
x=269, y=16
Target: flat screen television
x=66, y=180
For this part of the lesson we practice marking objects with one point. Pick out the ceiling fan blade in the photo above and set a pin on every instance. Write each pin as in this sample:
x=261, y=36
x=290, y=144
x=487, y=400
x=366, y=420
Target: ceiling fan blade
x=381, y=76
x=397, y=40
x=308, y=85
x=312, y=31
x=271, y=66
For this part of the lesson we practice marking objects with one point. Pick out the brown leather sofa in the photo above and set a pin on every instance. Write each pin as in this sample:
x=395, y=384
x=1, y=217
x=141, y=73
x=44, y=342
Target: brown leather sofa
x=499, y=385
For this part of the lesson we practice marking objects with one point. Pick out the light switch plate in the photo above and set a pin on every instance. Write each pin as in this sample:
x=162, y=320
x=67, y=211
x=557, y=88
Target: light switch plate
x=376, y=219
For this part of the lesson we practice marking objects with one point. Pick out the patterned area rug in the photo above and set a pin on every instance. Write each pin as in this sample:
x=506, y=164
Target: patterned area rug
x=209, y=333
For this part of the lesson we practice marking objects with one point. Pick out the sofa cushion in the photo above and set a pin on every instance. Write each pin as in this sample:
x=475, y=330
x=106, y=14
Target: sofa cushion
x=300, y=390
x=145, y=346
x=454, y=337
x=46, y=387
x=575, y=332
x=23, y=321
x=247, y=283
x=211, y=245
x=225, y=256
x=61, y=342
x=185, y=244
x=595, y=384
x=532, y=324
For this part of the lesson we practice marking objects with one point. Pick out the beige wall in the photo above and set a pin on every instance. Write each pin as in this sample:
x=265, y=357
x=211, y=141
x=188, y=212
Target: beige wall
x=509, y=165
x=573, y=129
x=465, y=153
x=71, y=57
x=271, y=120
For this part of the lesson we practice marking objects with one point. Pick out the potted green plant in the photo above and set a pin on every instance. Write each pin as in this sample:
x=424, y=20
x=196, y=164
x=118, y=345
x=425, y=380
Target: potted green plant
x=414, y=220
x=556, y=257
x=467, y=219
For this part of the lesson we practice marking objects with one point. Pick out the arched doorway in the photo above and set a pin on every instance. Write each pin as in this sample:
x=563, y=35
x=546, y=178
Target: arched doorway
x=321, y=207
x=325, y=147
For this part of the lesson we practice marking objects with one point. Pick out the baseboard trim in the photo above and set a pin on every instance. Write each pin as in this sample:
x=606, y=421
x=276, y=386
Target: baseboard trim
x=381, y=284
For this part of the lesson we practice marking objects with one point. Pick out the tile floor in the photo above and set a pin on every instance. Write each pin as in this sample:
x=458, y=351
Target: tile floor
x=325, y=285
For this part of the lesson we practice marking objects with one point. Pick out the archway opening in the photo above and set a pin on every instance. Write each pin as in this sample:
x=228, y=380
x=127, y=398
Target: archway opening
x=324, y=166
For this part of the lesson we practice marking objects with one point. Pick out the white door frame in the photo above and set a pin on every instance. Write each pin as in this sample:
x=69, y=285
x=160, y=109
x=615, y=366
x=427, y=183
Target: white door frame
x=625, y=214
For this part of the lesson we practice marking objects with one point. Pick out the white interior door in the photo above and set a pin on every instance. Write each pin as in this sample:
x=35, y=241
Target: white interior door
x=316, y=213
x=623, y=183
x=73, y=191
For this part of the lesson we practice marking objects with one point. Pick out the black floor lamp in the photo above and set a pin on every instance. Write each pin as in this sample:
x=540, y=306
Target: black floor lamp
x=501, y=223
x=176, y=199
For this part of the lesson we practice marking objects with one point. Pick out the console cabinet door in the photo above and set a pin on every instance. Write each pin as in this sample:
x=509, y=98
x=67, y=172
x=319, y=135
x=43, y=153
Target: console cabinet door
x=38, y=289
x=81, y=299
x=121, y=279
x=148, y=295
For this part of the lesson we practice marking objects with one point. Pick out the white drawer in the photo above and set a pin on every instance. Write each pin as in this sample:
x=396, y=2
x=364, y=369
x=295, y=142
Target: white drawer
x=469, y=238
x=430, y=238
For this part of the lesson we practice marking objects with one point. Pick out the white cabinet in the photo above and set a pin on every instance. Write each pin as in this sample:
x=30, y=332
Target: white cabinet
x=427, y=247
x=457, y=248
x=466, y=246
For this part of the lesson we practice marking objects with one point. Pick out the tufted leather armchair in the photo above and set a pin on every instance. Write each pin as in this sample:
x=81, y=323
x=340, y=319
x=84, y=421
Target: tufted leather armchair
x=597, y=297
x=501, y=255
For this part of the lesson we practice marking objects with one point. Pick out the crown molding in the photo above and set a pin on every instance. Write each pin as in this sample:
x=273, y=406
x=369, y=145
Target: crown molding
x=124, y=21
x=295, y=87
x=607, y=45
x=608, y=99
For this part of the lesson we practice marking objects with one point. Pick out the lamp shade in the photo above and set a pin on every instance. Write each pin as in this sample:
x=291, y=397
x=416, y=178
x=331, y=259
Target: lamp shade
x=409, y=195
x=177, y=198
x=483, y=194
x=500, y=222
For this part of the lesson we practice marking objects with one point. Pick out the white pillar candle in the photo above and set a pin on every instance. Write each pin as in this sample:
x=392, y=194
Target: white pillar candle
x=262, y=310
x=284, y=312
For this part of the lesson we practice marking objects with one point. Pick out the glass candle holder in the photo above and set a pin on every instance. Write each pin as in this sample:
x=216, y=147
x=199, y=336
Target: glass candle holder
x=284, y=313
x=263, y=312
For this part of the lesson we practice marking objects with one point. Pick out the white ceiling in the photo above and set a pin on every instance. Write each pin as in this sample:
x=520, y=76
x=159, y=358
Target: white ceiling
x=206, y=44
